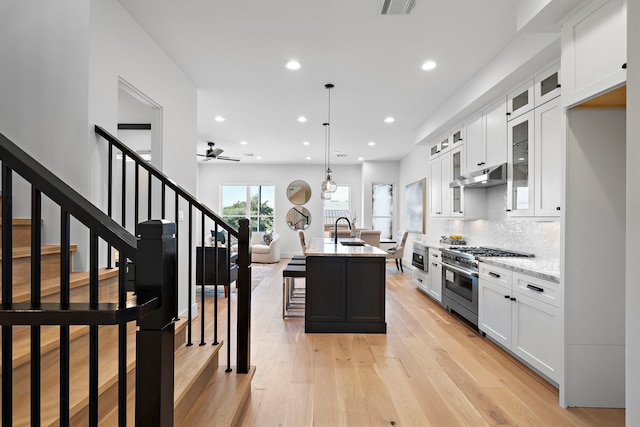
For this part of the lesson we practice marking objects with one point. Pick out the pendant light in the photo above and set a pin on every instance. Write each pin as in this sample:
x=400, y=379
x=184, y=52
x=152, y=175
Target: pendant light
x=328, y=186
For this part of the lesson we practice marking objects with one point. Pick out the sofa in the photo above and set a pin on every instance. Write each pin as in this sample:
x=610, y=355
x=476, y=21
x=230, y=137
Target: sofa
x=260, y=251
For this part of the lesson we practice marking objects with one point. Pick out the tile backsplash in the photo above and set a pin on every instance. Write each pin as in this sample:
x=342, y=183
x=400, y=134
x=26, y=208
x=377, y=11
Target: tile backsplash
x=539, y=237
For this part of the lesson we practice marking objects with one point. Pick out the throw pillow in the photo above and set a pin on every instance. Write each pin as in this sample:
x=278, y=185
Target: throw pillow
x=267, y=238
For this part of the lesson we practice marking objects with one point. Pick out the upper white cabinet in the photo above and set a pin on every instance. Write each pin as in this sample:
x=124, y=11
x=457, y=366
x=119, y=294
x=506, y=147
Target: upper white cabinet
x=441, y=147
x=520, y=100
x=594, y=50
x=486, y=138
x=475, y=145
x=548, y=158
x=521, y=165
x=457, y=161
x=535, y=162
x=495, y=133
x=546, y=85
x=440, y=192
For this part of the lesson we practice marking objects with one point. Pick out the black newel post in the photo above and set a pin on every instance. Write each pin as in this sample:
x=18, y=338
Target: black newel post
x=156, y=278
x=244, y=297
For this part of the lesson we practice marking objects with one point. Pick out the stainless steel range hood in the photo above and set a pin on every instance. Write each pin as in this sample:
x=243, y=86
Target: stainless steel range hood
x=488, y=177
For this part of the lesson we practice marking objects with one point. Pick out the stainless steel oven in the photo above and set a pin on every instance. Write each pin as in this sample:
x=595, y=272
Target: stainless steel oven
x=460, y=290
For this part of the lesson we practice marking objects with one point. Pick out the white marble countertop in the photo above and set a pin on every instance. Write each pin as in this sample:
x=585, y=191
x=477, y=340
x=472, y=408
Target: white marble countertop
x=326, y=247
x=543, y=269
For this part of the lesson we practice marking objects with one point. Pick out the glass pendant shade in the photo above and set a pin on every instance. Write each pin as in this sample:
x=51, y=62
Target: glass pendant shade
x=325, y=195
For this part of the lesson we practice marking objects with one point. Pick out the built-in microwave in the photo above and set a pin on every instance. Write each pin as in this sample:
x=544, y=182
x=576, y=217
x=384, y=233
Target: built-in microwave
x=420, y=257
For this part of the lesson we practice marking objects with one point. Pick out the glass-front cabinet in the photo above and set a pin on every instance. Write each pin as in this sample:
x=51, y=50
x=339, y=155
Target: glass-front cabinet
x=521, y=166
x=457, y=162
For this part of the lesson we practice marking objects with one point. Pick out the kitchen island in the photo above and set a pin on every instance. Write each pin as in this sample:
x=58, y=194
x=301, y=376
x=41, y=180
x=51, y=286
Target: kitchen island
x=345, y=287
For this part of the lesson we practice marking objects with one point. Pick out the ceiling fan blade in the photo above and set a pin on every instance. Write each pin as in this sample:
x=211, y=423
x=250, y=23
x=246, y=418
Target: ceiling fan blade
x=233, y=159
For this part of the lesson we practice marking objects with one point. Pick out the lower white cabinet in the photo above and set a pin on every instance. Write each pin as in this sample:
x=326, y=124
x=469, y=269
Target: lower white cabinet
x=435, y=275
x=522, y=314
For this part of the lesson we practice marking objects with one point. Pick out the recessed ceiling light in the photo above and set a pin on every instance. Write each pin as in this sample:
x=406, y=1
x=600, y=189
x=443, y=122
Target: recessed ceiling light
x=243, y=142
x=371, y=144
x=302, y=119
x=429, y=65
x=308, y=158
x=293, y=65
x=305, y=143
x=219, y=119
x=389, y=120
x=259, y=157
x=360, y=158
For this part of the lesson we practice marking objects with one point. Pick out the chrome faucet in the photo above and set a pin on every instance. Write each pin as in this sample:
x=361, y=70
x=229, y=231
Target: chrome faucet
x=335, y=231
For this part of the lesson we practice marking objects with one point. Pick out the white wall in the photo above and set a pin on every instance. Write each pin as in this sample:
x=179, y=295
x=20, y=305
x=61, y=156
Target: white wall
x=633, y=207
x=43, y=93
x=211, y=175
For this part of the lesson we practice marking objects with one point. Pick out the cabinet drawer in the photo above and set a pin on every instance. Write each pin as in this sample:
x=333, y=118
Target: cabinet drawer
x=538, y=289
x=498, y=275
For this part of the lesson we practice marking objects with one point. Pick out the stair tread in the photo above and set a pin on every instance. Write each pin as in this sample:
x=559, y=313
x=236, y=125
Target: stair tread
x=19, y=221
x=25, y=251
x=51, y=285
x=223, y=399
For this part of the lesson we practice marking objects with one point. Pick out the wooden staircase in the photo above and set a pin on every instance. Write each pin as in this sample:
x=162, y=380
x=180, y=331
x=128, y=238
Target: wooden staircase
x=201, y=385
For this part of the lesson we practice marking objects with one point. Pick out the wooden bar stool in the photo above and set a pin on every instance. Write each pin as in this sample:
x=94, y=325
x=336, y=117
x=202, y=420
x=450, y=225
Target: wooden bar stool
x=292, y=298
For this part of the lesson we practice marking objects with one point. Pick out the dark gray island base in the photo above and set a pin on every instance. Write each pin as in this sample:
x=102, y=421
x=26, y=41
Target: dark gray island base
x=345, y=294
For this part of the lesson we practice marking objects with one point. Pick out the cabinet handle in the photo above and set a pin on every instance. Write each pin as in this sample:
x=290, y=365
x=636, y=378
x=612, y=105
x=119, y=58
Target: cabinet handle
x=558, y=208
x=435, y=264
x=535, y=288
x=513, y=299
x=624, y=66
x=434, y=255
x=508, y=210
x=419, y=280
x=507, y=297
x=492, y=274
x=508, y=114
x=558, y=85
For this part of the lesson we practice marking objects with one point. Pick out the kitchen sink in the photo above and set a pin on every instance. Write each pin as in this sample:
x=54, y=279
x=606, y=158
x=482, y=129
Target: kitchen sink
x=348, y=243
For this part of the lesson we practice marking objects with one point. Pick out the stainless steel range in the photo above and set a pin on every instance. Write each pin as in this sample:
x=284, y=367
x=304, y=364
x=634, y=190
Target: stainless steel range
x=460, y=277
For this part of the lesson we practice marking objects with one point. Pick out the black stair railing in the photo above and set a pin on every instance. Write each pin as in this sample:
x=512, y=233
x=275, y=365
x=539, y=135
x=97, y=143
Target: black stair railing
x=153, y=306
x=198, y=216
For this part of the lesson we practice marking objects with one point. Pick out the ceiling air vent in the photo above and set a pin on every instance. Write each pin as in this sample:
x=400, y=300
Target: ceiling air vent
x=397, y=7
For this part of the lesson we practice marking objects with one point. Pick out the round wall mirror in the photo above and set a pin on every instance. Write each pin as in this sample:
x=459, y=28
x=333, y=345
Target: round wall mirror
x=298, y=192
x=298, y=218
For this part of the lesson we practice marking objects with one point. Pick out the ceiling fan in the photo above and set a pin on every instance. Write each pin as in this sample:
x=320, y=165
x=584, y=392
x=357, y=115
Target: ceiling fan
x=213, y=153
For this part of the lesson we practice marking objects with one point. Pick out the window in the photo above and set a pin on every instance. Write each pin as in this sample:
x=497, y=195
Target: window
x=382, y=209
x=336, y=207
x=255, y=202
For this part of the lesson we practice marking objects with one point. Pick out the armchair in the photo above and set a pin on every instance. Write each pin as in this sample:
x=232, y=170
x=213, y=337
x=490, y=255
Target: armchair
x=209, y=264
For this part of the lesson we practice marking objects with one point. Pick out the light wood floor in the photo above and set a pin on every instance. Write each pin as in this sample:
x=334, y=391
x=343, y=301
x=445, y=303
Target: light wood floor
x=430, y=369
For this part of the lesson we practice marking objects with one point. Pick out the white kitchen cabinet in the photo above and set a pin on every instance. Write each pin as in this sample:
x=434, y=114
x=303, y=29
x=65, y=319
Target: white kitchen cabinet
x=520, y=100
x=421, y=279
x=441, y=147
x=548, y=158
x=457, y=193
x=494, y=312
x=475, y=144
x=536, y=328
x=495, y=133
x=435, y=275
x=457, y=137
x=522, y=313
x=440, y=191
x=594, y=50
x=546, y=85
x=535, y=162
x=486, y=138
x=520, y=149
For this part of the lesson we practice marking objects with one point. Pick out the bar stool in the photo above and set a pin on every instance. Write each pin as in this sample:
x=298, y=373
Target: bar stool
x=292, y=298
